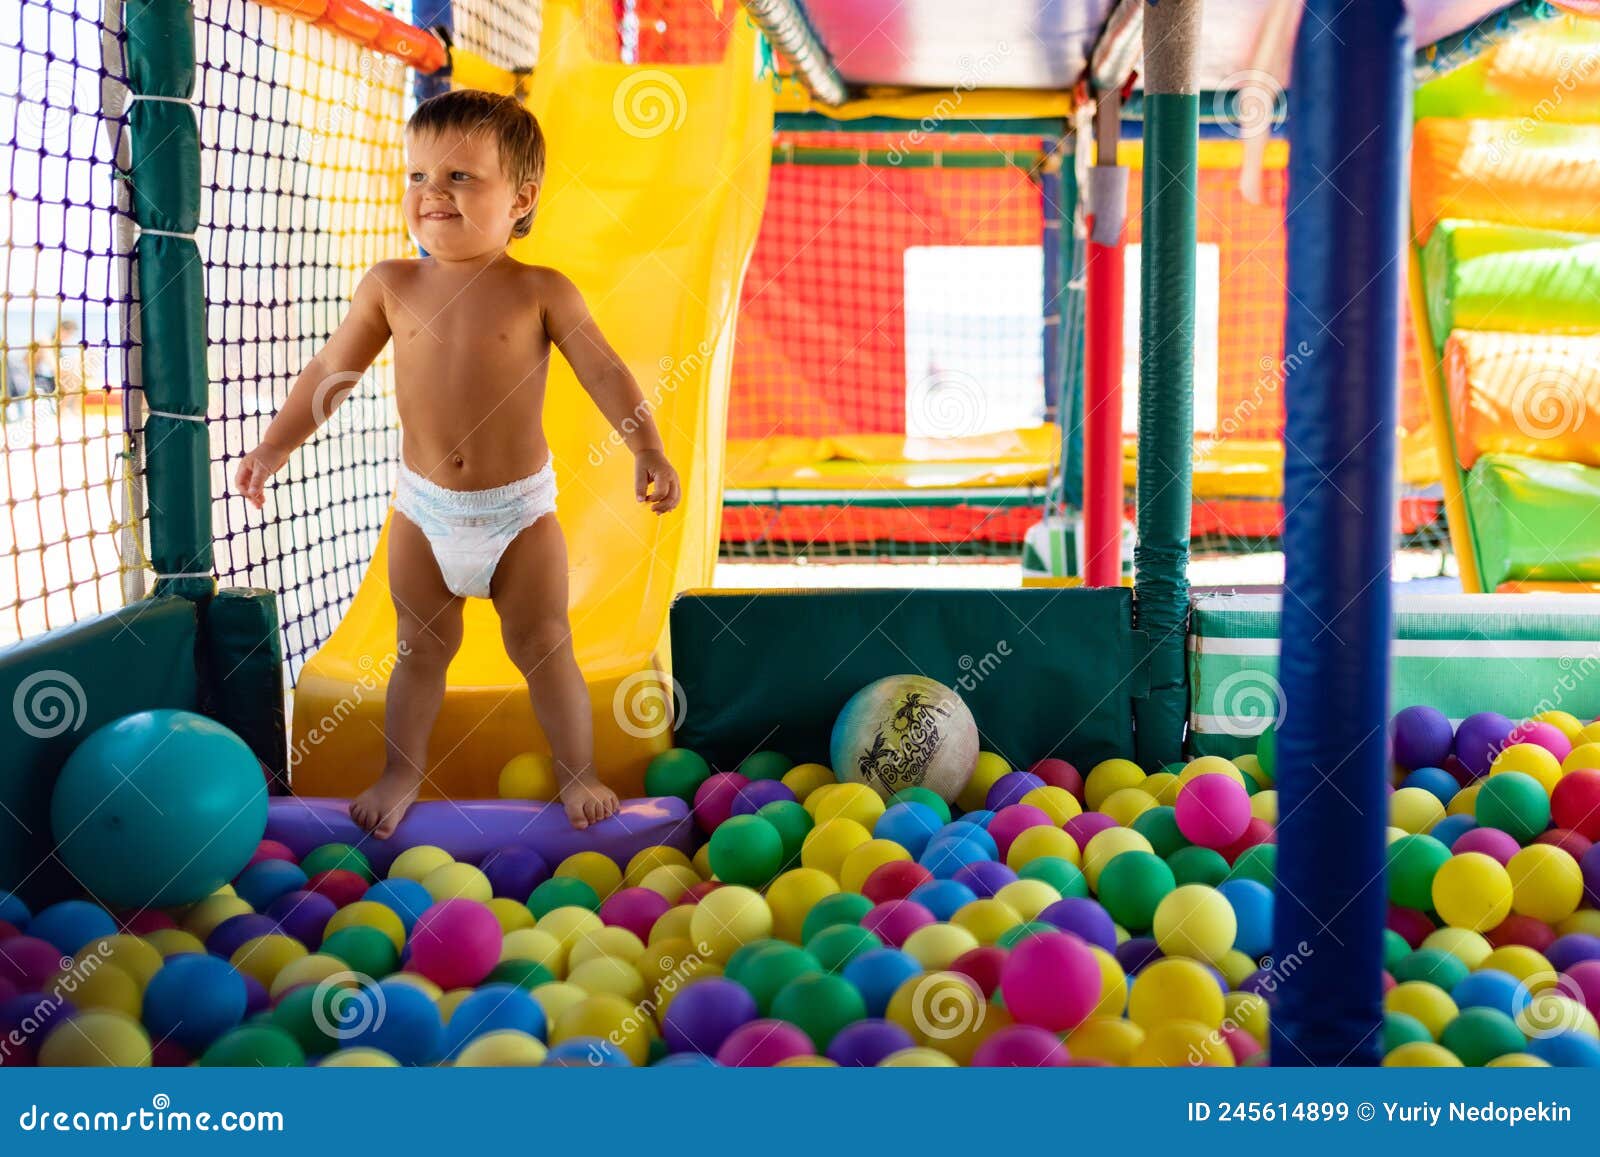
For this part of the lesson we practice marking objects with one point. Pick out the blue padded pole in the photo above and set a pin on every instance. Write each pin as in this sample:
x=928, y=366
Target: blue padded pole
x=1345, y=227
x=434, y=16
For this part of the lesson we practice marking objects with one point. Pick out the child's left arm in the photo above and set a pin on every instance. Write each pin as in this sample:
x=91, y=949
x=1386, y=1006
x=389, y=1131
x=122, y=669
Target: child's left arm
x=607, y=379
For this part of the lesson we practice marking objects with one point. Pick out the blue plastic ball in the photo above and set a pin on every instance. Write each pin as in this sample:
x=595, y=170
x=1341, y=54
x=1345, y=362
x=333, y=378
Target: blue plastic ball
x=944, y=858
x=909, y=824
x=981, y=817
x=1567, y=1049
x=1450, y=829
x=584, y=1051
x=491, y=1008
x=394, y=1016
x=685, y=1061
x=263, y=882
x=13, y=911
x=71, y=924
x=1437, y=780
x=973, y=834
x=194, y=999
x=944, y=898
x=1252, y=907
x=1494, y=989
x=877, y=973
x=407, y=899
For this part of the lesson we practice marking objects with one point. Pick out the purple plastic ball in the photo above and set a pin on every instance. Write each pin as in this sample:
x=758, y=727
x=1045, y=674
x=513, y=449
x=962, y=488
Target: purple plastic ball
x=302, y=916
x=1085, y=827
x=1135, y=953
x=256, y=996
x=1261, y=983
x=1479, y=739
x=1010, y=788
x=985, y=877
x=866, y=1042
x=1590, y=863
x=514, y=872
x=1573, y=948
x=1492, y=842
x=31, y=1015
x=1421, y=737
x=702, y=1017
x=758, y=794
x=229, y=936
x=1084, y=918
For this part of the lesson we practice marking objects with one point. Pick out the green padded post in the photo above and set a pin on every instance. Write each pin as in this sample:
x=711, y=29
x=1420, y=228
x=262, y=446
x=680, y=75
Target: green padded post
x=165, y=181
x=1166, y=369
x=1071, y=404
x=244, y=673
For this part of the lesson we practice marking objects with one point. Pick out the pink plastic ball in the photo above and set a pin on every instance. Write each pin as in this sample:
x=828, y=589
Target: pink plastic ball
x=1241, y=1044
x=1492, y=842
x=636, y=909
x=1582, y=982
x=1022, y=1046
x=1544, y=735
x=8, y=930
x=1010, y=822
x=1212, y=810
x=1085, y=827
x=456, y=943
x=762, y=1044
x=714, y=799
x=896, y=920
x=272, y=850
x=1051, y=980
x=28, y=962
x=1412, y=925
x=1059, y=773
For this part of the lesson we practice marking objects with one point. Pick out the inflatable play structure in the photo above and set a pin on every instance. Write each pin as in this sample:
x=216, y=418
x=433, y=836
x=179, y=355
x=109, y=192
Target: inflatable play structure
x=881, y=291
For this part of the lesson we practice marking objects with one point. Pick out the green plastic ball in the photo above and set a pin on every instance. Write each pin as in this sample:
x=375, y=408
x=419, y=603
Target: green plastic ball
x=1479, y=1035
x=746, y=850
x=765, y=765
x=793, y=823
x=1062, y=875
x=676, y=772
x=1011, y=937
x=770, y=970
x=819, y=1005
x=839, y=944
x=840, y=908
x=1515, y=803
x=562, y=892
x=1413, y=862
x=528, y=974
x=337, y=857
x=1439, y=969
x=302, y=1012
x=1395, y=949
x=923, y=795
x=1259, y=863
x=368, y=951
x=1131, y=886
x=1198, y=866
x=1401, y=1028
x=1159, y=825
x=1267, y=753
x=743, y=955
x=254, y=1047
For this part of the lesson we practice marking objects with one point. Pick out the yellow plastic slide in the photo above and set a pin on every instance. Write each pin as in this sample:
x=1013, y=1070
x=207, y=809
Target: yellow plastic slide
x=654, y=187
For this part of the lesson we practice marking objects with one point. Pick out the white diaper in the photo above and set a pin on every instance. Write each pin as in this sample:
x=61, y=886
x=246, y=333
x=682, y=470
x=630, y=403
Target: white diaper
x=470, y=529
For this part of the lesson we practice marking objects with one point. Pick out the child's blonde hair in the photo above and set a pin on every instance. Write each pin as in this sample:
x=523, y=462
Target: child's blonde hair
x=516, y=130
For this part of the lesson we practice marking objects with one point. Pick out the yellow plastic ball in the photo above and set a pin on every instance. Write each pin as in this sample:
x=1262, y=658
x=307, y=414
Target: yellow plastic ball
x=729, y=918
x=358, y=1058
x=816, y=797
x=140, y=959
x=1472, y=891
x=1249, y=1011
x=1113, y=984
x=174, y=942
x=104, y=986
x=317, y=968
x=569, y=924
x=1175, y=989
x=537, y=945
x=936, y=1006
x=1194, y=920
x=419, y=982
x=852, y=801
x=531, y=775
x=1427, y=1002
x=263, y=957
x=1589, y=734
x=607, y=1017
x=371, y=914
x=617, y=943
x=827, y=844
x=600, y=872
x=457, y=882
x=917, y=1057
x=1584, y=920
x=863, y=860
x=805, y=778
x=1235, y=967
x=1250, y=764
x=1035, y=843
x=1552, y=1011
x=511, y=915
x=503, y=1049
x=555, y=998
x=1532, y=760
x=1420, y=1054
x=1056, y=802
x=702, y=862
x=1106, y=846
x=806, y=1062
x=937, y=946
x=1464, y=801
x=416, y=863
x=1414, y=810
x=792, y=896
x=1105, y=1038
x=1264, y=805
x=1127, y=804
x=672, y=924
x=1525, y=964
x=1465, y=945
x=1563, y=721
x=1211, y=765
x=985, y=775
x=1582, y=755
x=1107, y=776
x=1028, y=897
x=607, y=974
x=1516, y=1061
x=670, y=880
x=97, y=1038
x=987, y=919
x=647, y=860
x=203, y=918
x=1182, y=1044
x=1546, y=883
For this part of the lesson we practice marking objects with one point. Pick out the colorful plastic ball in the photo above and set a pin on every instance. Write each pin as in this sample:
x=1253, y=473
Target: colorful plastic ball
x=677, y=772
x=943, y=898
x=896, y=920
x=635, y=909
x=758, y=794
x=1573, y=948
x=1022, y=1046
x=1421, y=1055
x=985, y=775
x=70, y=924
x=264, y=957
x=982, y=818
x=1400, y=1029
x=340, y=886
x=1061, y=805
x=530, y=775
x=1028, y=898
x=606, y=1018
x=820, y=1004
x=562, y=892
x=500, y=1049
x=456, y=881
x=1584, y=756
x=1575, y=802
x=227, y=937
x=369, y=914
x=937, y=946
x=866, y=1043
x=98, y=1038
x=1159, y=826
x=1194, y=865
x=793, y=824
x=1567, y=1049
x=1107, y=776
x=1479, y=739
x=1435, y=781
x=271, y=850
x=838, y=908
x=588, y=1052
x=1035, y=843
x=1193, y=920
x=877, y=973
x=863, y=861
x=805, y=778
x=827, y=845
x=1420, y=736
x=1414, y=809
x=1472, y=891
x=455, y=944
x=258, y=1046
x=895, y=880
x=926, y=796
x=157, y=808
x=1009, y=789
x=851, y=801
x=746, y=849
x=985, y=877
x=1212, y=810
x=1492, y=842
x=1478, y=1035
x=836, y=946
x=714, y=798
x=1052, y=981
x=1426, y=1002
x=705, y=1014
x=1131, y=887
x=395, y=1018
x=765, y=765
x=336, y=856
x=1084, y=828
x=1083, y=918
x=1490, y=988
x=1135, y=953
x=1547, y=884
x=1175, y=989
x=794, y=895
x=1059, y=773
x=417, y=862
x=1432, y=965
x=909, y=823
x=1413, y=861
x=727, y=918
x=513, y=872
x=1258, y=863
x=772, y=965
x=1252, y=905
x=365, y=950
x=763, y=1044
x=14, y=912
x=492, y=1008
x=1531, y=760
x=1010, y=822
x=262, y=883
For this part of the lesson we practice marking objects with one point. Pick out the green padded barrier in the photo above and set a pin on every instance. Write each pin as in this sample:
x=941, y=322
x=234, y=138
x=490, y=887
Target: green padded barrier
x=1504, y=277
x=1516, y=654
x=59, y=687
x=244, y=680
x=1536, y=521
x=1045, y=671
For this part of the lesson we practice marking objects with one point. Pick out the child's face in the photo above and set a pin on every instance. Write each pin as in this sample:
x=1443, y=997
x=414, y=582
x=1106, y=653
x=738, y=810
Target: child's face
x=458, y=202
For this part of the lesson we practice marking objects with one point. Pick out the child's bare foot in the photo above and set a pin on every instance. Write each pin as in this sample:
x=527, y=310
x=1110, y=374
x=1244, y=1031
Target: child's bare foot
x=382, y=806
x=587, y=800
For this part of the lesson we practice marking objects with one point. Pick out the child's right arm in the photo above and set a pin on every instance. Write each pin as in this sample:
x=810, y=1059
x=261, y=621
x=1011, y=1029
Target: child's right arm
x=326, y=381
